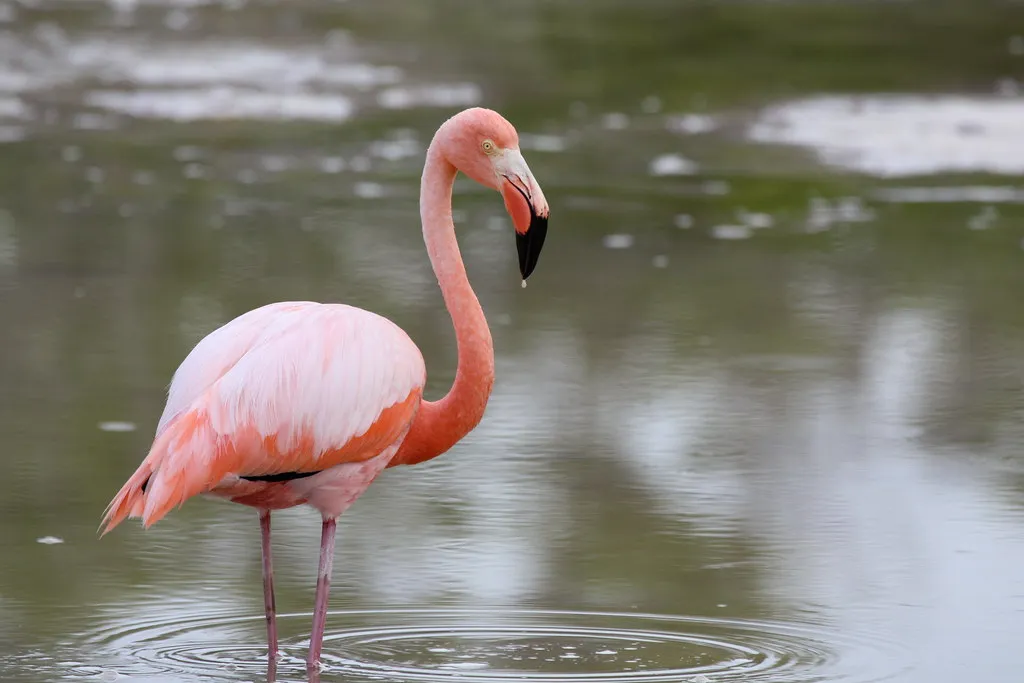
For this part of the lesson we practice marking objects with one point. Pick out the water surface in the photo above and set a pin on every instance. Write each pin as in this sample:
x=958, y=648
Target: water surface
x=757, y=416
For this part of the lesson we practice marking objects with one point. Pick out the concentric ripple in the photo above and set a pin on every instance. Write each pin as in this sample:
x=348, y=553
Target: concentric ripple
x=497, y=646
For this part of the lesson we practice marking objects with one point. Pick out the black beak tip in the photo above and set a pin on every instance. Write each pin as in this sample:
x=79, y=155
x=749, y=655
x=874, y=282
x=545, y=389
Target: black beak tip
x=530, y=243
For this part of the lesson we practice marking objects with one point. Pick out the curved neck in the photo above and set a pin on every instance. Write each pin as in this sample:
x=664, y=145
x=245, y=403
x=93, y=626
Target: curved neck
x=440, y=424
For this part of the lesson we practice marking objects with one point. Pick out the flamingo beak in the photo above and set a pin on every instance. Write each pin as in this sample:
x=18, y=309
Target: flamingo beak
x=526, y=205
x=530, y=243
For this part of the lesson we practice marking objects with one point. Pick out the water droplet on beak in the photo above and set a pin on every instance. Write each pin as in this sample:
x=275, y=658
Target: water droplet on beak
x=524, y=284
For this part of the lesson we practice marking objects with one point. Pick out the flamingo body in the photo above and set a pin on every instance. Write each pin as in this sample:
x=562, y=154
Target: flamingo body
x=291, y=388
x=305, y=403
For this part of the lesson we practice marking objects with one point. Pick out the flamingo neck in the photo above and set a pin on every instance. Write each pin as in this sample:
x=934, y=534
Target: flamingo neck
x=439, y=425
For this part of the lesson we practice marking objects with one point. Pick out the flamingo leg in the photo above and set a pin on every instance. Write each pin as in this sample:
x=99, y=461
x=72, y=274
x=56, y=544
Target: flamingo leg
x=268, y=586
x=323, y=587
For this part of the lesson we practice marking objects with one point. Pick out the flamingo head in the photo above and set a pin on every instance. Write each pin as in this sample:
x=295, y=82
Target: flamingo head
x=485, y=147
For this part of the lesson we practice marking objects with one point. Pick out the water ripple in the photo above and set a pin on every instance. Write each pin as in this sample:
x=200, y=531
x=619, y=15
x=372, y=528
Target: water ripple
x=495, y=646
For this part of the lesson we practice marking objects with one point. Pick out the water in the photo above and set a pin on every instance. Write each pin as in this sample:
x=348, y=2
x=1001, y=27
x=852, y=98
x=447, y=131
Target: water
x=475, y=645
x=757, y=417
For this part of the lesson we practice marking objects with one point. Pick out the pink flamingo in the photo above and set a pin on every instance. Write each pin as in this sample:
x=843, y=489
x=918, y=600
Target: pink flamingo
x=306, y=403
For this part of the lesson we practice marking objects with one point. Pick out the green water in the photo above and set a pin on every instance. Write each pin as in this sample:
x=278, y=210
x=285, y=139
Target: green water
x=758, y=416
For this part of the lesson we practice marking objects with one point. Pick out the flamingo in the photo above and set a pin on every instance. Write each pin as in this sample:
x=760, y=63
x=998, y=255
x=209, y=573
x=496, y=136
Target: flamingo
x=304, y=403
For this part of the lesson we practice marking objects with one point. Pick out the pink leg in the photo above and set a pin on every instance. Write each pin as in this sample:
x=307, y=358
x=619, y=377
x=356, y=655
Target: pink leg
x=323, y=587
x=268, y=586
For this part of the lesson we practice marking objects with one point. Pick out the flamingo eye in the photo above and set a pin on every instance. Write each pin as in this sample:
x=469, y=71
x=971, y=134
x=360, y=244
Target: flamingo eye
x=488, y=147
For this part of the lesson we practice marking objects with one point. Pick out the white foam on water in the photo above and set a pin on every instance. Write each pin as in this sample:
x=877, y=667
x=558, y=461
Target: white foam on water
x=368, y=190
x=752, y=219
x=125, y=5
x=691, y=124
x=11, y=133
x=222, y=103
x=332, y=164
x=465, y=666
x=542, y=143
x=672, y=164
x=902, y=135
x=615, y=121
x=8, y=240
x=823, y=214
x=436, y=95
x=12, y=80
x=91, y=121
x=618, y=241
x=218, y=79
x=731, y=232
x=117, y=426
x=13, y=108
x=243, y=63
x=988, y=194
x=984, y=219
x=396, y=149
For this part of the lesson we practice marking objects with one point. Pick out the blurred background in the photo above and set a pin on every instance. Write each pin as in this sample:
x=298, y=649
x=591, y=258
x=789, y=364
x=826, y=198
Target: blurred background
x=766, y=382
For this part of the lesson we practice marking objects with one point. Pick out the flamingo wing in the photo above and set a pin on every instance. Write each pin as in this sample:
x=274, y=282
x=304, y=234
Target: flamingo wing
x=218, y=351
x=290, y=387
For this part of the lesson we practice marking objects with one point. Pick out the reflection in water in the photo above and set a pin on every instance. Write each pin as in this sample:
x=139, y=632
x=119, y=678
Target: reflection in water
x=952, y=195
x=222, y=103
x=903, y=135
x=219, y=79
